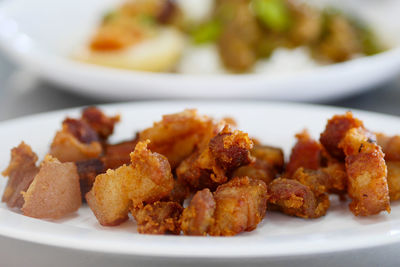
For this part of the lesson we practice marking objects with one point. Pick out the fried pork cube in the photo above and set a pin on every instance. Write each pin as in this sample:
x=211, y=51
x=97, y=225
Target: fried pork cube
x=21, y=171
x=176, y=136
x=241, y=204
x=87, y=171
x=146, y=180
x=152, y=179
x=158, y=218
x=334, y=132
x=75, y=142
x=54, y=192
x=197, y=218
x=99, y=122
x=295, y=199
x=108, y=198
x=366, y=171
x=179, y=192
x=268, y=164
x=337, y=175
x=393, y=179
x=390, y=146
x=117, y=155
x=306, y=153
x=227, y=151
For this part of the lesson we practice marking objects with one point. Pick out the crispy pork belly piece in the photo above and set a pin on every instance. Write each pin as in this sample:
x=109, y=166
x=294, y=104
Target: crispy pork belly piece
x=366, y=171
x=393, y=179
x=330, y=179
x=269, y=162
x=176, y=136
x=240, y=205
x=108, y=198
x=306, y=153
x=21, y=171
x=295, y=199
x=146, y=180
x=335, y=131
x=179, y=192
x=75, y=142
x=227, y=151
x=197, y=218
x=88, y=170
x=152, y=179
x=390, y=146
x=271, y=155
x=54, y=192
x=158, y=218
x=117, y=155
x=259, y=170
x=99, y=122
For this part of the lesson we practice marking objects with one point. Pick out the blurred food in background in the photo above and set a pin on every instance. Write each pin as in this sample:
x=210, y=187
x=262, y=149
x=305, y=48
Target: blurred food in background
x=226, y=36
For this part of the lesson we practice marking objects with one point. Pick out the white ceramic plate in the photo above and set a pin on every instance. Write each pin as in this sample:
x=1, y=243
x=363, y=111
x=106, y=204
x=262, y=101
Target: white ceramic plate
x=40, y=35
x=277, y=235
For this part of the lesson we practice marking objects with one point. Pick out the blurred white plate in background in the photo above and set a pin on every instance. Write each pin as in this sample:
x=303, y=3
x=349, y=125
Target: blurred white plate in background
x=40, y=35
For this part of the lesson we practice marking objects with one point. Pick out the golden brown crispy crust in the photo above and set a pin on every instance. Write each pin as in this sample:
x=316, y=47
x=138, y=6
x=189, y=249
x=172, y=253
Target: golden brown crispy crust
x=116, y=155
x=99, y=122
x=295, y=199
x=152, y=178
x=179, y=192
x=366, y=170
x=76, y=141
x=225, y=152
x=158, y=218
x=271, y=155
x=54, y=192
x=393, y=179
x=197, y=218
x=390, y=146
x=306, y=153
x=146, y=180
x=335, y=130
x=21, y=171
x=108, y=198
x=240, y=205
x=176, y=136
x=88, y=170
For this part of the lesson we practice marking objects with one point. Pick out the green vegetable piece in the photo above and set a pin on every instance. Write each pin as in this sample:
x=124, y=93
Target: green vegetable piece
x=274, y=14
x=207, y=32
x=146, y=19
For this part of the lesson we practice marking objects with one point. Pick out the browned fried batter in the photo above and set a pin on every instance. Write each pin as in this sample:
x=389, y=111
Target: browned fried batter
x=117, y=155
x=197, y=218
x=54, y=192
x=334, y=132
x=306, y=153
x=176, y=136
x=99, y=122
x=152, y=179
x=88, y=170
x=76, y=141
x=296, y=199
x=226, y=151
x=21, y=171
x=390, y=146
x=158, y=218
x=146, y=180
x=393, y=179
x=179, y=192
x=269, y=162
x=366, y=170
x=240, y=205
x=108, y=198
